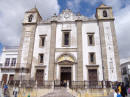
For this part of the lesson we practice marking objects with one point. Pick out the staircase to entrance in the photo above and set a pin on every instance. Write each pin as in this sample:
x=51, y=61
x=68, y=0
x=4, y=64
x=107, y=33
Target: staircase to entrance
x=59, y=92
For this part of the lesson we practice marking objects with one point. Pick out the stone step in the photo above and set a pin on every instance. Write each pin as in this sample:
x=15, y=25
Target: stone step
x=60, y=92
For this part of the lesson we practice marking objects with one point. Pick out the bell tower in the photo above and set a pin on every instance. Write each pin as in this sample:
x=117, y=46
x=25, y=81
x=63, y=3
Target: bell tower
x=104, y=12
x=25, y=52
x=108, y=42
x=32, y=17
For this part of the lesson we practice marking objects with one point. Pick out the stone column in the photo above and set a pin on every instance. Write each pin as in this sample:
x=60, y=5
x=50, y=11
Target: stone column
x=51, y=71
x=79, y=53
x=103, y=51
x=116, y=53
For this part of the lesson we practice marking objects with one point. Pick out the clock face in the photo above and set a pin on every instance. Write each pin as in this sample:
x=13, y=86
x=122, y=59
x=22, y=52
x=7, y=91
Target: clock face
x=66, y=15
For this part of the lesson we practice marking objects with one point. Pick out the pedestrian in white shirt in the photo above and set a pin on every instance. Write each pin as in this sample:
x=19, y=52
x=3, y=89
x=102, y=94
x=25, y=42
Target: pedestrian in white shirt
x=115, y=93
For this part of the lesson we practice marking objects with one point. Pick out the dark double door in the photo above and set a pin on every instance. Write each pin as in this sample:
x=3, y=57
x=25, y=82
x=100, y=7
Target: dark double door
x=93, y=79
x=39, y=77
x=65, y=75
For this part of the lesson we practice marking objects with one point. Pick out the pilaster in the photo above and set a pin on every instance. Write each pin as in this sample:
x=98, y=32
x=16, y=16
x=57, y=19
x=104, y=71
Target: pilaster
x=51, y=69
x=79, y=53
x=103, y=50
x=116, y=53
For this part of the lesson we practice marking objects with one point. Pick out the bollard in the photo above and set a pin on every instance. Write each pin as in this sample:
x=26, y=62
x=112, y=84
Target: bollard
x=52, y=84
x=36, y=84
x=20, y=84
x=104, y=84
x=67, y=84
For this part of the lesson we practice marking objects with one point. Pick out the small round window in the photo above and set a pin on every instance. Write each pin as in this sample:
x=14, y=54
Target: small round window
x=30, y=18
x=104, y=13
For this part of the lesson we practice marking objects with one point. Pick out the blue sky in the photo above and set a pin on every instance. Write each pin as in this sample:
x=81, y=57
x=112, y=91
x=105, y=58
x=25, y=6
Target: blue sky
x=83, y=7
x=11, y=18
x=87, y=7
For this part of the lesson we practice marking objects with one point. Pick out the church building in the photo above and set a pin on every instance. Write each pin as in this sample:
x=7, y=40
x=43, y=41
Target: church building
x=69, y=47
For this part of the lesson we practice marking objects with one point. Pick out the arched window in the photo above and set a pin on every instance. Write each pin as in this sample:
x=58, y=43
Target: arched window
x=104, y=13
x=30, y=18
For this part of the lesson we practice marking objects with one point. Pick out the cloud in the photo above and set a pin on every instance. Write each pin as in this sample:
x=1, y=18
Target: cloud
x=123, y=31
x=12, y=15
x=74, y=5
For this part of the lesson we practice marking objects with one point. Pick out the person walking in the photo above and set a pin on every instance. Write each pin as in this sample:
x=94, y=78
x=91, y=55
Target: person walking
x=115, y=93
x=6, y=91
x=123, y=90
x=118, y=94
x=119, y=88
x=0, y=90
x=15, y=91
x=128, y=91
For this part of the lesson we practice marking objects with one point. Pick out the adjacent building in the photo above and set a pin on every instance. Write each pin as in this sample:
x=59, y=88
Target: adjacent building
x=8, y=63
x=125, y=68
x=68, y=46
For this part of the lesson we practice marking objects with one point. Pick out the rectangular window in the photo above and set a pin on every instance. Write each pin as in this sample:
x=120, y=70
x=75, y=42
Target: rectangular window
x=66, y=38
x=42, y=40
x=92, y=59
x=41, y=58
x=124, y=71
x=7, y=61
x=13, y=62
x=91, y=39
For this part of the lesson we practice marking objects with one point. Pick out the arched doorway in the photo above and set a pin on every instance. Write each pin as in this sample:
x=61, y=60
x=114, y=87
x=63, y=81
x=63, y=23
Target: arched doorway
x=65, y=63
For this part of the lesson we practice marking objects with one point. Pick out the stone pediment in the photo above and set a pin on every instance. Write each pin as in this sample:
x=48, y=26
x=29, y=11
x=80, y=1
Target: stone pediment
x=104, y=6
x=66, y=15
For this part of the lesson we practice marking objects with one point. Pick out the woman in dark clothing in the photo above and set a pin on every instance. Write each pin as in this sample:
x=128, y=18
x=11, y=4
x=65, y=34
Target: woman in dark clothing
x=123, y=90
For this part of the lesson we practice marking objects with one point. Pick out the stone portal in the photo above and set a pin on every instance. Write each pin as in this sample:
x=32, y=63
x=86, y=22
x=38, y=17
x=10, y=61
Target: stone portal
x=65, y=75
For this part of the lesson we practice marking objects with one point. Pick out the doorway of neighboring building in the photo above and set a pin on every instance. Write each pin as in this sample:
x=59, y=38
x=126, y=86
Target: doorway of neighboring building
x=65, y=76
x=92, y=78
x=11, y=78
x=40, y=77
x=4, y=78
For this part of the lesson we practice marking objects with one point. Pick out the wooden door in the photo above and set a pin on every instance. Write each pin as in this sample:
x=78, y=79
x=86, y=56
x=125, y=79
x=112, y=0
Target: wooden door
x=93, y=78
x=39, y=77
x=4, y=78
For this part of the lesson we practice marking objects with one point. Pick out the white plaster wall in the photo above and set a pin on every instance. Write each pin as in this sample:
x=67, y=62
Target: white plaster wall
x=73, y=34
x=41, y=30
x=128, y=66
x=91, y=27
x=110, y=52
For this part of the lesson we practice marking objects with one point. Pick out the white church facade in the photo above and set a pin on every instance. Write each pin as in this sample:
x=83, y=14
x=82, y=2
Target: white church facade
x=69, y=47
